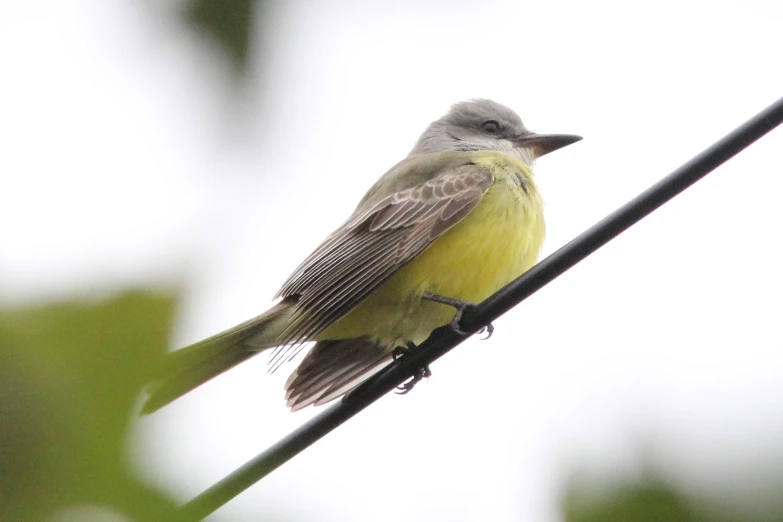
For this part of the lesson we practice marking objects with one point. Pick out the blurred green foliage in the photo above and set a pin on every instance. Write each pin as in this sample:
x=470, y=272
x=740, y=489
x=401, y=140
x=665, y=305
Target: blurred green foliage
x=650, y=501
x=229, y=22
x=653, y=500
x=70, y=379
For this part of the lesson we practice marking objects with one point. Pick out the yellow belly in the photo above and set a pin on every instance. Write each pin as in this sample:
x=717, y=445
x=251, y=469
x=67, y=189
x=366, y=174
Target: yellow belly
x=498, y=241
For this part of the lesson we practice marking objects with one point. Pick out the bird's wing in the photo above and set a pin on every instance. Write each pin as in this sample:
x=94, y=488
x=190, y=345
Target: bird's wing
x=375, y=243
x=332, y=369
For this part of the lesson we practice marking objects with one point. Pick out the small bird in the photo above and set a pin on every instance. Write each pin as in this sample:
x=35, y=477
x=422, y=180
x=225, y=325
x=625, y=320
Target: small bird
x=456, y=220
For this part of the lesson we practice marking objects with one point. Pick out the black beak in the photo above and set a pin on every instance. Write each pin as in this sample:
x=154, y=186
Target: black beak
x=545, y=143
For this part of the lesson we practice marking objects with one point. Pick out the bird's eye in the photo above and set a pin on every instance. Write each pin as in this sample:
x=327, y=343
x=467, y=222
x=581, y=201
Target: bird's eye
x=491, y=126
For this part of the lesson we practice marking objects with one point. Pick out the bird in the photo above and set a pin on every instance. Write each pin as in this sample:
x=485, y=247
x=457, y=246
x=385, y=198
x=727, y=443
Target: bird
x=453, y=222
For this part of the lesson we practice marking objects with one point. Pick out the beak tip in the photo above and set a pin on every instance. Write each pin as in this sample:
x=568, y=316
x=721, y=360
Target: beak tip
x=546, y=143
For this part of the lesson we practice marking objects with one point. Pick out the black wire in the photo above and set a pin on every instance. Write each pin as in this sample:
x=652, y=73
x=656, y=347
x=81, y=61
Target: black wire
x=446, y=338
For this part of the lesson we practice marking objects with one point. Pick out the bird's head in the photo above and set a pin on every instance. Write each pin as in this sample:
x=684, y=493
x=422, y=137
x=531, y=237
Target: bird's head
x=486, y=125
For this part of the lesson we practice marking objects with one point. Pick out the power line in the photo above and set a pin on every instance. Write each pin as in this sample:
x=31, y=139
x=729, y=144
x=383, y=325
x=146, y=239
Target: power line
x=445, y=338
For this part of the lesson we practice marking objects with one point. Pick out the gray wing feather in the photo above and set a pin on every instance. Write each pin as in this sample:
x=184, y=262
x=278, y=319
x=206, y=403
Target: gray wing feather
x=331, y=369
x=374, y=244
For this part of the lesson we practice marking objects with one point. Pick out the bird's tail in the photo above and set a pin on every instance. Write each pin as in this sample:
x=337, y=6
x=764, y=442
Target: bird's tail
x=187, y=368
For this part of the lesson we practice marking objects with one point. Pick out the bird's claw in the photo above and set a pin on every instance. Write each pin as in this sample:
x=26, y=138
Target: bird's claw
x=421, y=373
x=458, y=317
x=489, y=330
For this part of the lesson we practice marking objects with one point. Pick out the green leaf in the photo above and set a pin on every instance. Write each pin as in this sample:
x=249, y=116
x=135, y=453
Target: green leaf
x=70, y=379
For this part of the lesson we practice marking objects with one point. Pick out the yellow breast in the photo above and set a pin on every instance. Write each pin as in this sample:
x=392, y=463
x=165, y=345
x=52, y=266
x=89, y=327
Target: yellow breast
x=498, y=241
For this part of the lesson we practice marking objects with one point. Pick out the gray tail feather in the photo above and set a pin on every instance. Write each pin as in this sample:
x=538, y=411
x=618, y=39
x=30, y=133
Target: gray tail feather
x=188, y=368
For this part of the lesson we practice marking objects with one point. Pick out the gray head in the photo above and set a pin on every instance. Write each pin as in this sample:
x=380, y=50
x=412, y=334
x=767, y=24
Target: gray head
x=486, y=125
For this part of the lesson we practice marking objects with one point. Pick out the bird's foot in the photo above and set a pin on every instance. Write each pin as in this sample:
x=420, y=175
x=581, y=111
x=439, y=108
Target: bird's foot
x=461, y=307
x=421, y=373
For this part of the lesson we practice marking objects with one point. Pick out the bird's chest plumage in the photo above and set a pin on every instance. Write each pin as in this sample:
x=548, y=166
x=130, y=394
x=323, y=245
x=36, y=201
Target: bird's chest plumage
x=498, y=241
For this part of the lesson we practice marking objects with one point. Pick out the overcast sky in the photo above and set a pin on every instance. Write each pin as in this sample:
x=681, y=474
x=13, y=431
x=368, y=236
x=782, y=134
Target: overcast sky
x=129, y=160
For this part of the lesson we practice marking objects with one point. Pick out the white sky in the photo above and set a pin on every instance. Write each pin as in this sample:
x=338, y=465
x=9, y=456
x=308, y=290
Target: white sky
x=127, y=159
